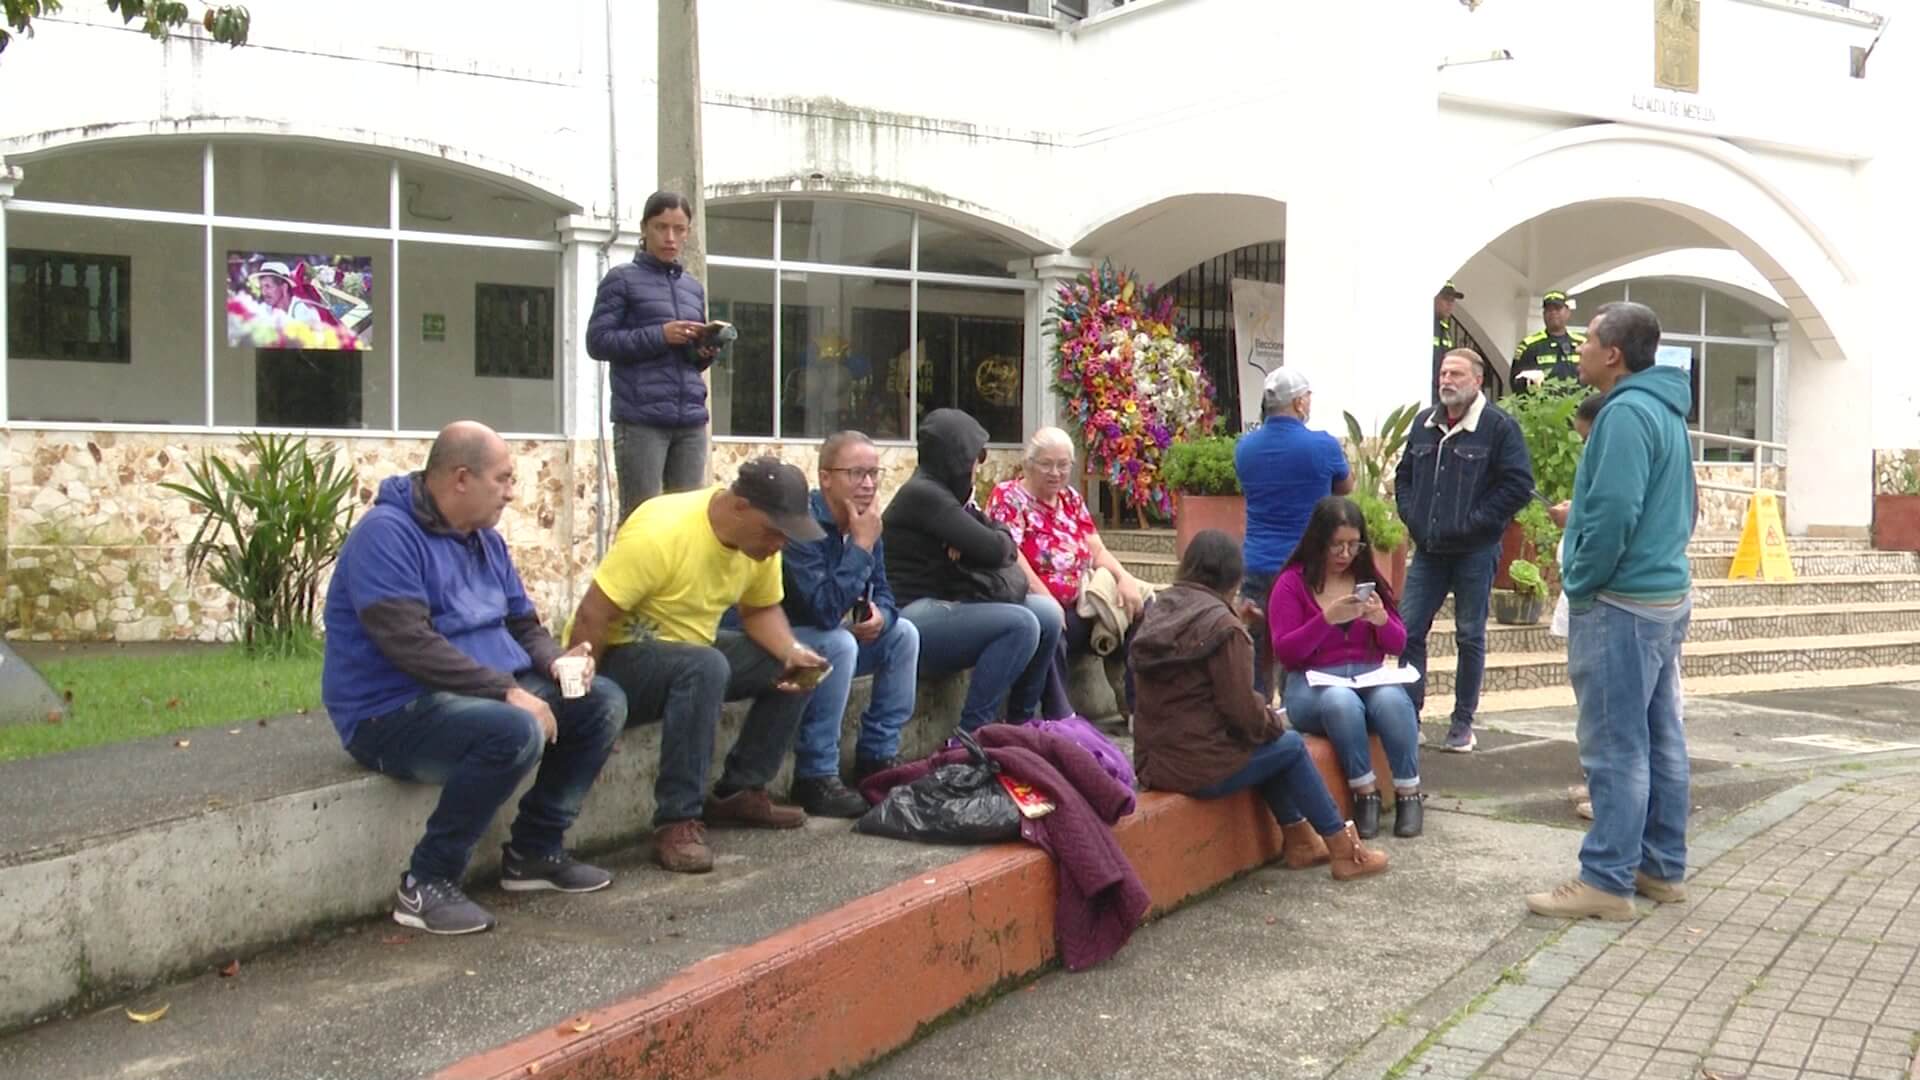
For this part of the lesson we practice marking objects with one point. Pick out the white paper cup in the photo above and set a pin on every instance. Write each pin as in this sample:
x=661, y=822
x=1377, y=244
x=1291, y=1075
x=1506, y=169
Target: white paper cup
x=571, y=671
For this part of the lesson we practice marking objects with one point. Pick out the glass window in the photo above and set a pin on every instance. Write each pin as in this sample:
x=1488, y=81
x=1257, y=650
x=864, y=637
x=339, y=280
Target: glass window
x=744, y=229
x=1728, y=317
x=1676, y=302
x=300, y=183
x=443, y=201
x=1739, y=397
x=1586, y=303
x=741, y=394
x=144, y=176
x=971, y=346
x=947, y=249
x=476, y=337
x=513, y=331
x=847, y=233
x=69, y=306
x=843, y=341
x=317, y=357
x=124, y=291
x=1693, y=347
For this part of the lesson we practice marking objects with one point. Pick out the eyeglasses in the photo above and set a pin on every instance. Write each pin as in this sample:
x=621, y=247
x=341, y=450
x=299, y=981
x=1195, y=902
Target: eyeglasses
x=1053, y=466
x=1346, y=547
x=858, y=476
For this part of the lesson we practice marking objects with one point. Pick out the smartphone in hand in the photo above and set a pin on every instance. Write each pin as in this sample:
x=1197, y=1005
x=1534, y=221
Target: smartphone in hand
x=808, y=678
x=1363, y=591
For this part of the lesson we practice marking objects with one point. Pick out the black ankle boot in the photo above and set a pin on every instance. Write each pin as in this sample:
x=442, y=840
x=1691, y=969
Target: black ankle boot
x=1409, y=814
x=1366, y=815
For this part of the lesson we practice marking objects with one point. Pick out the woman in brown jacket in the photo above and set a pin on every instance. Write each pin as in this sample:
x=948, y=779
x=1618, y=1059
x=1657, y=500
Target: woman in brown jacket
x=1199, y=728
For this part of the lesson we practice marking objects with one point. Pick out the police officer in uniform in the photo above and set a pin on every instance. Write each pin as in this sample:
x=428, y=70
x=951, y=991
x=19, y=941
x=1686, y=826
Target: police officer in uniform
x=1446, y=329
x=1551, y=352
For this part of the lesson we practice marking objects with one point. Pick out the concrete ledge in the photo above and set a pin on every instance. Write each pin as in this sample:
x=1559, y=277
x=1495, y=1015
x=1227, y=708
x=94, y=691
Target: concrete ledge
x=96, y=904
x=840, y=990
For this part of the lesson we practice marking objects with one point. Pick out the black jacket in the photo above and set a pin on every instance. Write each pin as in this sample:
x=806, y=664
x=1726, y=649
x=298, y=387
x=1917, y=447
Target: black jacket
x=1457, y=494
x=930, y=514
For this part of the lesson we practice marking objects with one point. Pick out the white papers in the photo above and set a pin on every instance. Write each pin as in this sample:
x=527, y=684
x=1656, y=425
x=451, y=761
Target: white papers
x=1382, y=676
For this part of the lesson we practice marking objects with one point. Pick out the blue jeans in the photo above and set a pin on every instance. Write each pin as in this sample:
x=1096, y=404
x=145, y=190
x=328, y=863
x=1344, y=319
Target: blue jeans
x=1008, y=646
x=1346, y=717
x=1287, y=780
x=893, y=659
x=683, y=687
x=1625, y=671
x=1469, y=578
x=478, y=750
x=1257, y=587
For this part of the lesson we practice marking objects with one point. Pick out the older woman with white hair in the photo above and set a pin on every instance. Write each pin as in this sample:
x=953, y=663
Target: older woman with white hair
x=1059, y=549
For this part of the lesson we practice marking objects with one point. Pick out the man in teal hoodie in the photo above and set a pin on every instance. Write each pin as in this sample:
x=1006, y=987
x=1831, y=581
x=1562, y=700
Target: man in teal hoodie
x=1628, y=588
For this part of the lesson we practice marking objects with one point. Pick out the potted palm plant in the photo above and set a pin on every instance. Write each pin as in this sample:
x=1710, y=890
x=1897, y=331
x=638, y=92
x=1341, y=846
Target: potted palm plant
x=1373, y=462
x=1207, y=494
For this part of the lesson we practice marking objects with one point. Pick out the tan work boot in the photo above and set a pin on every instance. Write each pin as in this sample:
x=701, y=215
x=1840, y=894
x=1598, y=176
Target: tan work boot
x=1304, y=847
x=754, y=808
x=1660, y=892
x=681, y=847
x=1352, y=859
x=1576, y=899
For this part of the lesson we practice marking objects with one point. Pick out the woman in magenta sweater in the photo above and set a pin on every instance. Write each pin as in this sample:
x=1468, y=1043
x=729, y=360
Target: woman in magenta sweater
x=1329, y=612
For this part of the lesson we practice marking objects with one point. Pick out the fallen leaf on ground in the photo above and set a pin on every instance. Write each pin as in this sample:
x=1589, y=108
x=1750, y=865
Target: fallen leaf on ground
x=301, y=711
x=173, y=703
x=147, y=1017
x=53, y=716
x=398, y=939
x=182, y=744
x=232, y=969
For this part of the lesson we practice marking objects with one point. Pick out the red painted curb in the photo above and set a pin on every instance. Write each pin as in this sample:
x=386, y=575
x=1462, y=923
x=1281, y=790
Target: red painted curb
x=839, y=990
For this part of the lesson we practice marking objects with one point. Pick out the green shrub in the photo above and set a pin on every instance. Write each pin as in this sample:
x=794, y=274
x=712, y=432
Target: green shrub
x=1201, y=466
x=1545, y=416
x=270, y=530
x=1384, y=530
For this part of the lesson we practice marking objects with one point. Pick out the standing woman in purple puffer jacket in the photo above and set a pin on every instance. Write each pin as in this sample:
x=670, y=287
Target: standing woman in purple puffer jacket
x=649, y=321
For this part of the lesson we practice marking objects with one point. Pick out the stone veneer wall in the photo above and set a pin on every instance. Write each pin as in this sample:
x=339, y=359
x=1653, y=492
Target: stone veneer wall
x=1890, y=471
x=95, y=548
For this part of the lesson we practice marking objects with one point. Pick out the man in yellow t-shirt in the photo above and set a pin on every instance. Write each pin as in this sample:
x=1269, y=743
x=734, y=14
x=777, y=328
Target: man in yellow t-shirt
x=652, y=618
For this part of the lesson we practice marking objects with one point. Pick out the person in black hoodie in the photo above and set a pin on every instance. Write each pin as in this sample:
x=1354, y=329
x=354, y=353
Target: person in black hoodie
x=957, y=578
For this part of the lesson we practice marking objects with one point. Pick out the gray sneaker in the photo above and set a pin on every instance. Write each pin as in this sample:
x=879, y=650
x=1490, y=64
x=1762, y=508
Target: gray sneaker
x=1460, y=738
x=559, y=871
x=438, y=907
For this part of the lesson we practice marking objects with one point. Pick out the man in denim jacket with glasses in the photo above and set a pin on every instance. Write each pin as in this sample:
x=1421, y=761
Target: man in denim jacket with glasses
x=1464, y=475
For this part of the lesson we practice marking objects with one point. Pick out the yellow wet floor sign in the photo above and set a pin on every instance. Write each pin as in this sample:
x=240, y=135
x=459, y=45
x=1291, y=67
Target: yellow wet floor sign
x=1763, y=542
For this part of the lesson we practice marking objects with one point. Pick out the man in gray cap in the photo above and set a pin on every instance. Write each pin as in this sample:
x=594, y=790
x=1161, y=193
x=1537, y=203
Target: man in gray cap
x=652, y=618
x=1284, y=468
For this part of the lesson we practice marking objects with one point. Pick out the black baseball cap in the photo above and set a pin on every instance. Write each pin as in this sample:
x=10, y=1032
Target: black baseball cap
x=779, y=490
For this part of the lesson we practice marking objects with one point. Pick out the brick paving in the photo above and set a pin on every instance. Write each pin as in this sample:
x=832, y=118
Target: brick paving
x=1795, y=957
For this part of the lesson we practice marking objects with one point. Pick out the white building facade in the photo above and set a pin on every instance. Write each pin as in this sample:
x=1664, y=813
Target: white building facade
x=894, y=188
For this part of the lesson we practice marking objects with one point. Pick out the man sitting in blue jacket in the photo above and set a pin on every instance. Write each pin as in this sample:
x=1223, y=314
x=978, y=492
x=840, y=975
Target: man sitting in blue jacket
x=438, y=670
x=840, y=605
x=1464, y=474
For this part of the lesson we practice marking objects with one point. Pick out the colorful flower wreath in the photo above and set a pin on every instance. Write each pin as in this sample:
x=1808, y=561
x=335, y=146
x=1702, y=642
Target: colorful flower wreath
x=1132, y=385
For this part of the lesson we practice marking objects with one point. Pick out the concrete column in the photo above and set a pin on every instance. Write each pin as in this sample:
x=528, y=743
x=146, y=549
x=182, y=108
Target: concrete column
x=1042, y=405
x=9, y=180
x=679, y=135
x=1776, y=403
x=1829, y=448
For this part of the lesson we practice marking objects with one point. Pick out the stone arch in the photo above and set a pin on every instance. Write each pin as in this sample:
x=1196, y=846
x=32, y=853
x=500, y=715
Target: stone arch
x=1022, y=234
x=1163, y=236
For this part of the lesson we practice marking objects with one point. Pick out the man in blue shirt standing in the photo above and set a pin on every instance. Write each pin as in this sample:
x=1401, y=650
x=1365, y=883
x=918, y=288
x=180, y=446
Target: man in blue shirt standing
x=840, y=605
x=1284, y=468
x=438, y=670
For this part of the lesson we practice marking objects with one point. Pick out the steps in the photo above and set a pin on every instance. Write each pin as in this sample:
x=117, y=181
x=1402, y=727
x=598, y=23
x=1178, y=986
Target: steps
x=1853, y=612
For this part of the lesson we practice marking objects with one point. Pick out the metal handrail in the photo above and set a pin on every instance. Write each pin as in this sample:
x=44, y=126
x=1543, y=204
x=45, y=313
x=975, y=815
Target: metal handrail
x=1758, y=445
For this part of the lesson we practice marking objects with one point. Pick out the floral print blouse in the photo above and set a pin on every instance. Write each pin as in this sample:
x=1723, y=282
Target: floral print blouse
x=1055, y=539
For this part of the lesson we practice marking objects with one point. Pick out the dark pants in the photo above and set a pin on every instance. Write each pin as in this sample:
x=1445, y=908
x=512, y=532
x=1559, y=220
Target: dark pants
x=478, y=750
x=649, y=460
x=683, y=686
x=1283, y=773
x=1077, y=640
x=1257, y=587
x=1469, y=577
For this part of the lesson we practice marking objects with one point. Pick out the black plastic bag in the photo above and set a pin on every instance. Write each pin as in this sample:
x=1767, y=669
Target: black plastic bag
x=953, y=804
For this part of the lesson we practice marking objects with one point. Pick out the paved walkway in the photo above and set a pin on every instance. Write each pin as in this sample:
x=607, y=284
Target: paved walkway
x=1795, y=957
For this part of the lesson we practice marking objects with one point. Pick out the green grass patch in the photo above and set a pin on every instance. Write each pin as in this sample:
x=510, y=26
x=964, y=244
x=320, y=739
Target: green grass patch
x=118, y=698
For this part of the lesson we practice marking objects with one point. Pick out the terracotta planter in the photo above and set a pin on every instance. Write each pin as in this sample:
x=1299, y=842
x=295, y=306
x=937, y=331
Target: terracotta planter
x=1391, y=567
x=1896, y=522
x=1516, y=609
x=1193, y=513
x=1513, y=545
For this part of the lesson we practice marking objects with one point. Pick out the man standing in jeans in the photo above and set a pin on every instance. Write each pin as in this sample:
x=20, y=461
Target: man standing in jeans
x=1629, y=592
x=841, y=607
x=1464, y=474
x=438, y=670
x=1284, y=469
x=653, y=614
